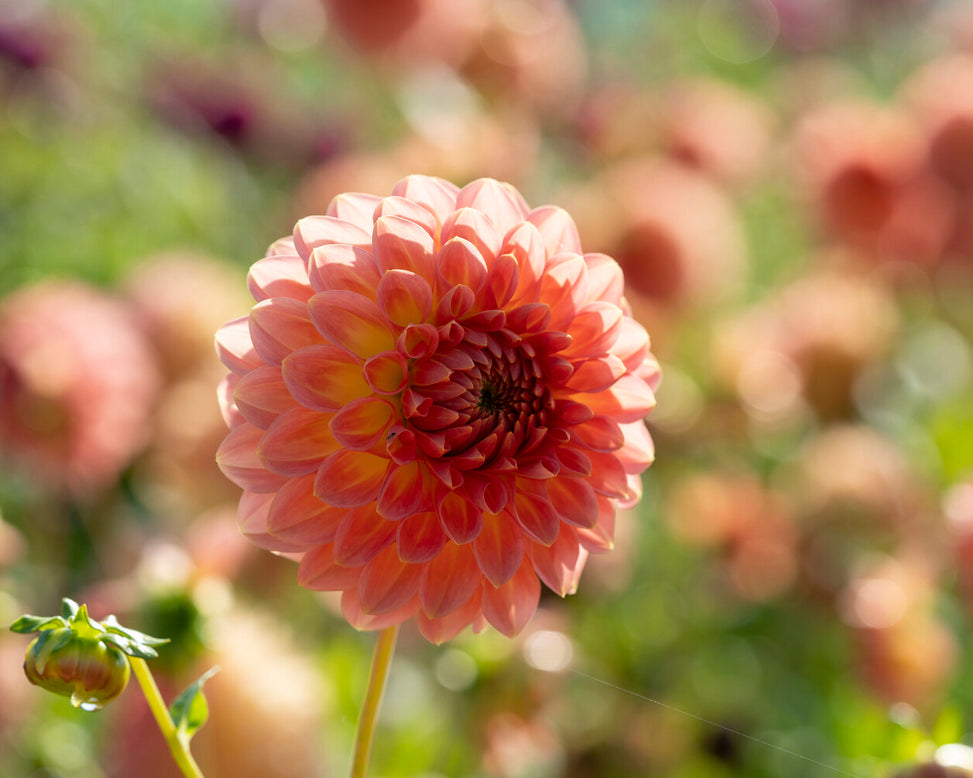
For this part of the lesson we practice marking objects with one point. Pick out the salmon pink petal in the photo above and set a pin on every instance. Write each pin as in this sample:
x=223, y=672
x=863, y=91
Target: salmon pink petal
x=599, y=433
x=632, y=345
x=605, y=279
x=509, y=607
x=461, y=519
x=387, y=583
x=324, y=377
x=234, y=346
x=352, y=611
x=628, y=399
x=313, y=231
x=418, y=341
x=361, y=535
x=601, y=537
x=319, y=571
x=361, y=423
x=350, y=478
x=279, y=275
x=404, y=297
x=386, y=373
x=595, y=375
x=526, y=244
x=503, y=204
x=560, y=564
x=461, y=263
x=400, y=244
x=475, y=227
x=237, y=458
x=420, y=537
x=351, y=321
x=449, y=580
x=499, y=548
x=407, y=209
x=440, y=630
x=595, y=329
x=557, y=229
x=355, y=207
x=344, y=267
x=574, y=500
x=299, y=517
x=297, y=442
x=536, y=517
x=279, y=326
x=639, y=450
x=261, y=396
x=564, y=287
x=252, y=521
x=503, y=280
x=608, y=476
x=434, y=194
x=224, y=395
x=403, y=492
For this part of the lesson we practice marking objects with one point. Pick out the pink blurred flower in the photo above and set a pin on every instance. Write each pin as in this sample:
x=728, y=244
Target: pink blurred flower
x=436, y=404
x=77, y=384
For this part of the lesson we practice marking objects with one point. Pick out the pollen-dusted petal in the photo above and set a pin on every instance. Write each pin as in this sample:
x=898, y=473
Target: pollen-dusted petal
x=351, y=321
x=352, y=611
x=559, y=565
x=361, y=535
x=404, y=297
x=499, y=548
x=261, y=396
x=401, y=244
x=313, y=231
x=279, y=326
x=503, y=204
x=449, y=580
x=299, y=517
x=420, y=537
x=596, y=374
x=436, y=195
x=605, y=279
x=557, y=229
x=407, y=209
x=594, y=329
x=319, y=571
x=461, y=519
x=628, y=399
x=279, y=275
x=404, y=492
x=297, y=442
x=475, y=227
x=252, y=521
x=360, y=424
x=340, y=266
x=460, y=263
x=355, y=207
x=574, y=500
x=447, y=627
x=536, y=517
x=387, y=582
x=237, y=458
x=324, y=377
x=234, y=346
x=350, y=478
x=508, y=607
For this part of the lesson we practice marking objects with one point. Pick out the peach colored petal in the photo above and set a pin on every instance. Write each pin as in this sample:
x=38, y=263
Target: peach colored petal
x=318, y=570
x=439, y=630
x=404, y=297
x=361, y=535
x=409, y=210
x=355, y=207
x=324, y=377
x=608, y=476
x=297, y=442
x=386, y=373
x=354, y=615
x=557, y=228
x=536, y=517
x=503, y=280
x=460, y=262
x=499, y=548
x=606, y=281
x=420, y=537
x=361, y=423
x=252, y=521
x=224, y=395
x=234, y=346
x=461, y=520
x=351, y=321
x=595, y=375
x=632, y=345
x=279, y=275
x=297, y=516
x=601, y=537
x=508, y=607
x=350, y=478
x=560, y=565
x=340, y=266
x=564, y=288
x=628, y=399
x=449, y=580
x=574, y=500
x=400, y=244
x=313, y=231
x=237, y=458
x=501, y=203
x=599, y=433
x=403, y=492
x=526, y=244
x=279, y=326
x=387, y=583
x=261, y=396
x=475, y=227
x=639, y=450
x=434, y=194
x=594, y=329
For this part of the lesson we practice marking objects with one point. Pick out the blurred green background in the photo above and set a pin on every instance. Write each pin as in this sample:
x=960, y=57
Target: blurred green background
x=788, y=185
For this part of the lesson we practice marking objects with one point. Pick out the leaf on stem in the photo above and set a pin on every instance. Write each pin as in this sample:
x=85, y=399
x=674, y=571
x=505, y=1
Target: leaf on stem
x=190, y=710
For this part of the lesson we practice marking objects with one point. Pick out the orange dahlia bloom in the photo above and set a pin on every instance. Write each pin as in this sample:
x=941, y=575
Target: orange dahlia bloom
x=436, y=404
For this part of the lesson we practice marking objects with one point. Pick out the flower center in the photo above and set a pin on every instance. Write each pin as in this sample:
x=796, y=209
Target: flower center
x=491, y=399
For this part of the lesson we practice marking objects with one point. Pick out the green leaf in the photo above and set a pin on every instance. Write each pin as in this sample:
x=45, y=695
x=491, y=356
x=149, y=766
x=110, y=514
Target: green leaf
x=28, y=623
x=111, y=624
x=189, y=710
x=69, y=608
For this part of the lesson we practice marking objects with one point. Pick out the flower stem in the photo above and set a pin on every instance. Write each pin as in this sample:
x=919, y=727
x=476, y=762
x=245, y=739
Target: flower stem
x=180, y=751
x=381, y=660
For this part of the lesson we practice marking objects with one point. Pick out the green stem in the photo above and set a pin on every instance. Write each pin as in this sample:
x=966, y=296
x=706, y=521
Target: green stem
x=180, y=751
x=381, y=660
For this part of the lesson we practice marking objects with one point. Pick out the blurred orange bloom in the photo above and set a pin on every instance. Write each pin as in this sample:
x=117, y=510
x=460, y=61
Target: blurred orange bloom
x=436, y=404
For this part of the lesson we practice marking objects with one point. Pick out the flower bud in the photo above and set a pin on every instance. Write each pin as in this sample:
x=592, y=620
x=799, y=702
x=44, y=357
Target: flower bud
x=88, y=670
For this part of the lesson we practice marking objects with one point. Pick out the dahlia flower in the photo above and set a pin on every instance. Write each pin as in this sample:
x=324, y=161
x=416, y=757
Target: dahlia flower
x=436, y=404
